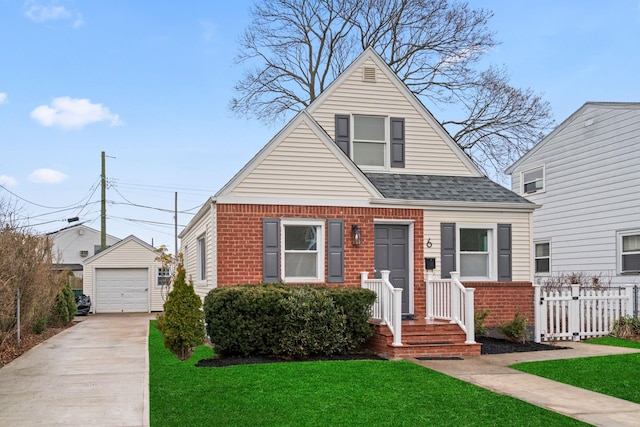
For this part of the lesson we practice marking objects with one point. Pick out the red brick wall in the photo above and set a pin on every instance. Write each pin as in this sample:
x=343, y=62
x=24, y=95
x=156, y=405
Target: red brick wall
x=503, y=300
x=239, y=229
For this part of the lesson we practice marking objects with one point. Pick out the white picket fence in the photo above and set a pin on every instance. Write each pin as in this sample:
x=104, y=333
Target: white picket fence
x=574, y=313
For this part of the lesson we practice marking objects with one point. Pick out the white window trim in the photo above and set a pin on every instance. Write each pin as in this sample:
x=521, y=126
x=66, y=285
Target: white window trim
x=544, y=180
x=538, y=242
x=619, y=235
x=201, y=259
x=320, y=244
x=493, y=250
x=387, y=142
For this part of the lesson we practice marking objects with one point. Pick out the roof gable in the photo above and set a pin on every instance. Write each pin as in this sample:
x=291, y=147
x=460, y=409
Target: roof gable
x=301, y=161
x=430, y=149
x=120, y=244
x=586, y=108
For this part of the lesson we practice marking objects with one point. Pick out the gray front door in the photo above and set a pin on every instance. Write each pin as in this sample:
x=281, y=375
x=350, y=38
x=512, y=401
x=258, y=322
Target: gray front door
x=392, y=253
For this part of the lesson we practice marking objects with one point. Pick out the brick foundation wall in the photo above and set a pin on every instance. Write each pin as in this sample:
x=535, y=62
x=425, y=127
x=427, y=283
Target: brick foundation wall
x=503, y=300
x=239, y=245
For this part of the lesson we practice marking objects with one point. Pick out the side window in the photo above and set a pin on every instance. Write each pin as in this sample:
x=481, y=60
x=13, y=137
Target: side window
x=629, y=252
x=542, y=256
x=533, y=180
x=164, y=275
x=201, y=258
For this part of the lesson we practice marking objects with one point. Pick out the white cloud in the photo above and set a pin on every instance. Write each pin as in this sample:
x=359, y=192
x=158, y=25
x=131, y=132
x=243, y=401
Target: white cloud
x=47, y=176
x=3, y=97
x=49, y=10
x=73, y=113
x=8, y=181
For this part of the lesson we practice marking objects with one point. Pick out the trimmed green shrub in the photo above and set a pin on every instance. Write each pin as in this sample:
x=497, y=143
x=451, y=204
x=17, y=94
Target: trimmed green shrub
x=356, y=304
x=312, y=324
x=183, y=327
x=516, y=329
x=64, y=307
x=245, y=319
x=257, y=319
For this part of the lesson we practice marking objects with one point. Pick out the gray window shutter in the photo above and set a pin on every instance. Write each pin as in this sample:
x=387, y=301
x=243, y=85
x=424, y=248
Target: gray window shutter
x=335, y=249
x=504, y=252
x=342, y=132
x=397, y=143
x=270, y=250
x=447, y=249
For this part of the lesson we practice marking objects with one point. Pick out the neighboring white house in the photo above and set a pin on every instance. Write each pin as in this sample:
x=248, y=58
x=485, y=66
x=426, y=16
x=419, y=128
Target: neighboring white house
x=586, y=176
x=125, y=278
x=74, y=244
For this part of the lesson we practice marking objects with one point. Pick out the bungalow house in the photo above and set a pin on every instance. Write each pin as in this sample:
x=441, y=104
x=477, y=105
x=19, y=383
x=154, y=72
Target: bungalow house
x=366, y=180
x=585, y=175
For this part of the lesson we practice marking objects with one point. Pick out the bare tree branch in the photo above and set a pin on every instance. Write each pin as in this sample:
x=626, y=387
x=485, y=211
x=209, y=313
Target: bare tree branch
x=295, y=48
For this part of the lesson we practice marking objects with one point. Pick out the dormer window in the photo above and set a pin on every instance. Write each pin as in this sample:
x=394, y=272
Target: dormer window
x=369, y=141
x=372, y=142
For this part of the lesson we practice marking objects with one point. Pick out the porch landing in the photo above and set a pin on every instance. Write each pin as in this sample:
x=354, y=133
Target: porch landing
x=422, y=338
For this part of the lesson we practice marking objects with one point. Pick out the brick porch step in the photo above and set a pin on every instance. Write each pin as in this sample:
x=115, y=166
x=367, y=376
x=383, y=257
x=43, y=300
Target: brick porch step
x=421, y=338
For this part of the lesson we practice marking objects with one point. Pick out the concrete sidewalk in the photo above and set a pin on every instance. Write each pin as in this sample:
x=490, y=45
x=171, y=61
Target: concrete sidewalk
x=94, y=373
x=491, y=372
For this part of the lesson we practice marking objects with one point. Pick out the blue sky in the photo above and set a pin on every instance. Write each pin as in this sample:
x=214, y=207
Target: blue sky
x=149, y=83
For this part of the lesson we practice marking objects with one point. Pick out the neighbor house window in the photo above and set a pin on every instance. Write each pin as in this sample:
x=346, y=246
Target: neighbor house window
x=201, y=258
x=542, y=258
x=303, y=253
x=369, y=141
x=533, y=180
x=164, y=276
x=629, y=251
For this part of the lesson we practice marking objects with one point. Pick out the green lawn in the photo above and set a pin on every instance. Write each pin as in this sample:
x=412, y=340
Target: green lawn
x=354, y=393
x=612, y=375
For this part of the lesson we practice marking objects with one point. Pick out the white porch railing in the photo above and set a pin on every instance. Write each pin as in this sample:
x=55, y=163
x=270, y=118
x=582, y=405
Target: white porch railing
x=572, y=313
x=448, y=299
x=388, y=306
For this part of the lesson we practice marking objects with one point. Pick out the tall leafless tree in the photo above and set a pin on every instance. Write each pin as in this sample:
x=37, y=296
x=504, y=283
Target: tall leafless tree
x=296, y=48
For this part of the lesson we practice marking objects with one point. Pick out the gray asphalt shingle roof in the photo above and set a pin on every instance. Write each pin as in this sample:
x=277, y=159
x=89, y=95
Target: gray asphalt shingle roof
x=443, y=188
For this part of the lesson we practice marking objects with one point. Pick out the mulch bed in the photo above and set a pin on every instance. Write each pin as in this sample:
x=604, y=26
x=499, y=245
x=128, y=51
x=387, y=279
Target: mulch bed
x=489, y=346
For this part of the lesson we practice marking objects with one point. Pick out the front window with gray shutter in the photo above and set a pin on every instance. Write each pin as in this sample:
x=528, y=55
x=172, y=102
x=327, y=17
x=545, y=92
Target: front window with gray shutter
x=369, y=141
x=474, y=252
x=302, y=250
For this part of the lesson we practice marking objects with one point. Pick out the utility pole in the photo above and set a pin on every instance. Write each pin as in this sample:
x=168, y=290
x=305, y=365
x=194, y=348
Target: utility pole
x=175, y=230
x=103, y=209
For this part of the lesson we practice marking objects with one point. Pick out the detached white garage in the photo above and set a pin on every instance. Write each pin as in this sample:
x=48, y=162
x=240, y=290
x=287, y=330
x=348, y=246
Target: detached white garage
x=123, y=278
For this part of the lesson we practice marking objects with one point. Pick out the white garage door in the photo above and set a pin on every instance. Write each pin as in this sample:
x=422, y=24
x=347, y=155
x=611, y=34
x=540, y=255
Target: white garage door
x=122, y=290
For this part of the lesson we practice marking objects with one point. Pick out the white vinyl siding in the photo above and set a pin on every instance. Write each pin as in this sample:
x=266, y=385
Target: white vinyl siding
x=591, y=179
x=301, y=166
x=425, y=150
x=521, y=254
x=205, y=227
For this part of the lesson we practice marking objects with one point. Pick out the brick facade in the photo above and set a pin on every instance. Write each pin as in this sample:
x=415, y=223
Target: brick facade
x=239, y=235
x=503, y=300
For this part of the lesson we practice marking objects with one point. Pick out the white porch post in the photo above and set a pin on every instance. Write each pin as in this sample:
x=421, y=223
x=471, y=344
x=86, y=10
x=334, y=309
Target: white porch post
x=429, y=296
x=455, y=298
x=470, y=321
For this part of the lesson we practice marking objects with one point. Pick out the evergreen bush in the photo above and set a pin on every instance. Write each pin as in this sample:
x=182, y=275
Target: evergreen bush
x=64, y=307
x=183, y=327
x=356, y=304
x=515, y=330
x=312, y=324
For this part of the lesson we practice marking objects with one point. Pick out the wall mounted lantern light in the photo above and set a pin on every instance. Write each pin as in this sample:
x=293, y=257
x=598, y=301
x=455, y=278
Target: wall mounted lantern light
x=356, y=237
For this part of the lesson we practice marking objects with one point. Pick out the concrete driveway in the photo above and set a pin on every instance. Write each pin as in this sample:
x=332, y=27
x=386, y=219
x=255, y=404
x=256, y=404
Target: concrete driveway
x=94, y=373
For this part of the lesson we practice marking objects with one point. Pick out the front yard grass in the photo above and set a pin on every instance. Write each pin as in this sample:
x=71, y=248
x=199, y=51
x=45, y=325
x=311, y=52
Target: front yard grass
x=611, y=375
x=353, y=393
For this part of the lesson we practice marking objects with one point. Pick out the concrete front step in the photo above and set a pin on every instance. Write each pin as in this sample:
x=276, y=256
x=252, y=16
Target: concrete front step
x=423, y=339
